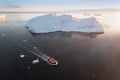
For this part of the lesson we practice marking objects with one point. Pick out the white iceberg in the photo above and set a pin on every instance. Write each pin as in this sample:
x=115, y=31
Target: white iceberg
x=67, y=23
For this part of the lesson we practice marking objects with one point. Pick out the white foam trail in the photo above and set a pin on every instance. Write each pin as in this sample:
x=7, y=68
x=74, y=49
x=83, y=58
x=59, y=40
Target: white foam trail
x=41, y=55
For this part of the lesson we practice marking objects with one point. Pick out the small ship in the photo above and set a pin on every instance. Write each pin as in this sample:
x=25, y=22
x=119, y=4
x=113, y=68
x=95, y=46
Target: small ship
x=49, y=60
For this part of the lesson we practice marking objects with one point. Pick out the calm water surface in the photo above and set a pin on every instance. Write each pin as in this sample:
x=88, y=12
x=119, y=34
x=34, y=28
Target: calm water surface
x=81, y=56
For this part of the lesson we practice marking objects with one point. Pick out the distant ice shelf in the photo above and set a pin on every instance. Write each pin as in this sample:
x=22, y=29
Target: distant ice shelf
x=51, y=23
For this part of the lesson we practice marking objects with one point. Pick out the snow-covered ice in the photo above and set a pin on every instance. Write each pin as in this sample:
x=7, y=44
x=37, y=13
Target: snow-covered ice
x=67, y=23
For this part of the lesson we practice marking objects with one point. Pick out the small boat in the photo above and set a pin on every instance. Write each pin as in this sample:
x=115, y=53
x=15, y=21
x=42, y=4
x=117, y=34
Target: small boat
x=46, y=58
x=52, y=61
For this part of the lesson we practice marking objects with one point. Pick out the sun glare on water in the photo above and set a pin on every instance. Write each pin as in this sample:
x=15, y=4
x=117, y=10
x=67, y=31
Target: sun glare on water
x=2, y=17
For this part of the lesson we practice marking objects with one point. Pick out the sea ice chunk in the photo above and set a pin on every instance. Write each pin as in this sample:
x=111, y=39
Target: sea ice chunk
x=35, y=61
x=22, y=56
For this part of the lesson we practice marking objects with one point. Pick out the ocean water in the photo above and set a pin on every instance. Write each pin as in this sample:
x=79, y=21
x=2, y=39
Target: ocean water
x=81, y=56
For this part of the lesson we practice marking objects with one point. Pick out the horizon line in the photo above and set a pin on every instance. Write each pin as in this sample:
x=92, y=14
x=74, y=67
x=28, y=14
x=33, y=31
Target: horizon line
x=46, y=11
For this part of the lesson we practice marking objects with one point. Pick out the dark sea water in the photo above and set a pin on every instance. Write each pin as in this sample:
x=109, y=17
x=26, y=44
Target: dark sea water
x=81, y=56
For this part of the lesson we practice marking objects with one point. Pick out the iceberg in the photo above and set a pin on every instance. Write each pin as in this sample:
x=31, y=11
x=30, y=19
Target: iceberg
x=51, y=23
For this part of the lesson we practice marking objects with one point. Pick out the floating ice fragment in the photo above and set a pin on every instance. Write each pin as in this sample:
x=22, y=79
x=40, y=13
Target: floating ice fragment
x=35, y=48
x=93, y=75
x=3, y=34
x=35, y=61
x=24, y=41
x=28, y=67
x=22, y=56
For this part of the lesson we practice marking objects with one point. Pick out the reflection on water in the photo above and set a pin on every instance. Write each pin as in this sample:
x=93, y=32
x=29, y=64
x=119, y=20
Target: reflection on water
x=81, y=56
x=67, y=34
